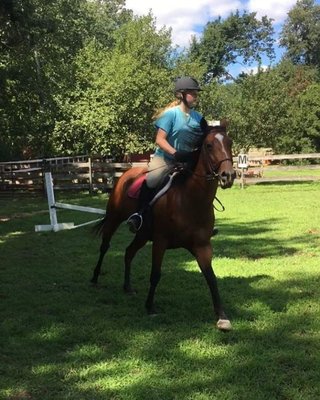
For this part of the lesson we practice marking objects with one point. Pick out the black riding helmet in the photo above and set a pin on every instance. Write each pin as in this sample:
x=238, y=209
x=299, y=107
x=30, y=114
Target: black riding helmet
x=185, y=83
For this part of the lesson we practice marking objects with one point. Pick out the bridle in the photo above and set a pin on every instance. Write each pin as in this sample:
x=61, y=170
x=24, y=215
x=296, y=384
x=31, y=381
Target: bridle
x=211, y=176
x=213, y=168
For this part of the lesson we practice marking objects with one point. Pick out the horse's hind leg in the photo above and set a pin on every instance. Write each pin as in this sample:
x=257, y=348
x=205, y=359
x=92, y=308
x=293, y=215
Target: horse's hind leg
x=137, y=243
x=107, y=233
x=103, y=249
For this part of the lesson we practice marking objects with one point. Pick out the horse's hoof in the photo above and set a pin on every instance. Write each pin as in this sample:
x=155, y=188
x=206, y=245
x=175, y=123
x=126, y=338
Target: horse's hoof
x=152, y=312
x=129, y=291
x=224, y=325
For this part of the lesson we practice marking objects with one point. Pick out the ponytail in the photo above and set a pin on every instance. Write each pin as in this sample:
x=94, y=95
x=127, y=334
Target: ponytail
x=159, y=112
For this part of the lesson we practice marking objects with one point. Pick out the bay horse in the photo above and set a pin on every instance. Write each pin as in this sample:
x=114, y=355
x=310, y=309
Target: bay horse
x=182, y=217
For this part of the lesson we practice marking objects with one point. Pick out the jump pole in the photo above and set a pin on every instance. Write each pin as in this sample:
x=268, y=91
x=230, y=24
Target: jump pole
x=52, y=205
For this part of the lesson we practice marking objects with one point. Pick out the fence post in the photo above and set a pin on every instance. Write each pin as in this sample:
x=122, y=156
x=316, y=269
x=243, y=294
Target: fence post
x=2, y=177
x=51, y=200
x=90, y=175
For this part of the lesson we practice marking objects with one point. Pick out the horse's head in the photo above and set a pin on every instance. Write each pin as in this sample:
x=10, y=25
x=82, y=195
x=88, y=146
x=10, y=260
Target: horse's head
x=216, y=155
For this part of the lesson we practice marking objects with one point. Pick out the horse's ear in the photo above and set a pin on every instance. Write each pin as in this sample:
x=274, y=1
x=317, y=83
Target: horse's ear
x=224, y=122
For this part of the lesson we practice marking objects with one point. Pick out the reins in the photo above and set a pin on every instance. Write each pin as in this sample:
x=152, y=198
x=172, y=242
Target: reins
x=214, y=174
x=222, y=206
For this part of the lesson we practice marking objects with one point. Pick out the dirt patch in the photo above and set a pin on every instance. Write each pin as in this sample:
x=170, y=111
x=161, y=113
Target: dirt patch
x=314, y=231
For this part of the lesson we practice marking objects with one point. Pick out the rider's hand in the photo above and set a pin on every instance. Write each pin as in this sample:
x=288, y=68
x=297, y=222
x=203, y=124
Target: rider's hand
x=183, y=156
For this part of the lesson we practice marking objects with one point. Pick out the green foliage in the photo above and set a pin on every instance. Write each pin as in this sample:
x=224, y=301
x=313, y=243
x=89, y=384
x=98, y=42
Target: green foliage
x=110, y=111
x=301, y=33
x=309, y=117
x=85, y=76
x=38, y=43
x=224, y=41
x=277, y=108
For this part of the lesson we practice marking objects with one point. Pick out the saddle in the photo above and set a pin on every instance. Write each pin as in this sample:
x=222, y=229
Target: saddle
x=134, y=189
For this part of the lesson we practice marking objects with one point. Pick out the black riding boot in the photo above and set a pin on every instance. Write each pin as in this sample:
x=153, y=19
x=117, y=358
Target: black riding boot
x=135, y=220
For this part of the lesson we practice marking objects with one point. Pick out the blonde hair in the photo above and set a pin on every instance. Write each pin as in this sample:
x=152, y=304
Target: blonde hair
x=159, y=112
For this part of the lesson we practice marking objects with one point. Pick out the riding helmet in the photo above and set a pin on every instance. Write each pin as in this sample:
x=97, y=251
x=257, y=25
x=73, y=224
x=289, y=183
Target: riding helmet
x=186, y=83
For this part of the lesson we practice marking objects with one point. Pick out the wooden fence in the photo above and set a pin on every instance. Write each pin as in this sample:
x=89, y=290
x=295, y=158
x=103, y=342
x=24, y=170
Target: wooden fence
x=91, y=173
x=260, y=167
x=69, y=173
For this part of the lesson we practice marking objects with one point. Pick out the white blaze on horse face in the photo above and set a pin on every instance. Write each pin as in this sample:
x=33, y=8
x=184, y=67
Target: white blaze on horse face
x=220, y=138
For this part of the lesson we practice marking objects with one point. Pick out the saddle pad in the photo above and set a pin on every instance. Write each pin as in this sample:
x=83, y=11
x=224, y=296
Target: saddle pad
x=134, y=189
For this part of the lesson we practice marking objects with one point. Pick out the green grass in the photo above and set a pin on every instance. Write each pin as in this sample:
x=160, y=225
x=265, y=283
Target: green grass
x=293, y=172
x=63, y=339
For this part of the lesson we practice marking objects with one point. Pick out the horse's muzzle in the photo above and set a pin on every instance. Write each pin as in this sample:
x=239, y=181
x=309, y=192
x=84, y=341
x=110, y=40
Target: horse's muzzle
x=227, y=178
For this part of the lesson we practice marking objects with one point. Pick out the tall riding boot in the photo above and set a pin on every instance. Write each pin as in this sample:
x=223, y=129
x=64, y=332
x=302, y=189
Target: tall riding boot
x=135, y=220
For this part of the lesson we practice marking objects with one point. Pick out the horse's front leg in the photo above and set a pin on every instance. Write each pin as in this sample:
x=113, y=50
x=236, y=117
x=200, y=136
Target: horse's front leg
x=203, y=255
x=158, y=250
x=138, y=242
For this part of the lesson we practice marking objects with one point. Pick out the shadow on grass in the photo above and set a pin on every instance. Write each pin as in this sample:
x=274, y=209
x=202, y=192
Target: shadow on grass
x=233, y=240
x=63, y=339
x=247, y=240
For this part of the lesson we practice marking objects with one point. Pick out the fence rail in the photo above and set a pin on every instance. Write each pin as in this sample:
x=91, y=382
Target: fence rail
x=69, y=173
x=90, y=173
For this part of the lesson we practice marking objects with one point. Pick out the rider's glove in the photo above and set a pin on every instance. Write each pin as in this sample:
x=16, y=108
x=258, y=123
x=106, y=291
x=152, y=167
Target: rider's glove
x=183, y=156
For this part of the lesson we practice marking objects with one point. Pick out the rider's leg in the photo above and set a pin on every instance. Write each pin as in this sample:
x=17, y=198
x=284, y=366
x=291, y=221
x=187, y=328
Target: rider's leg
x=158, y=169
x=146, y=195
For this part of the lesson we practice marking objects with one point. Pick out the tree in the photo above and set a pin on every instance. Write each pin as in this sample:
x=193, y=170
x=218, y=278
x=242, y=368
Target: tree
x=225, y=41
x=110, y=111
x=38, y=43
x=301, y=34
x=277, y=108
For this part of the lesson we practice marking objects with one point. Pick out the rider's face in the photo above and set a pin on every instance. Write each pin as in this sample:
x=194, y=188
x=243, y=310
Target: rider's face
x=191, y=97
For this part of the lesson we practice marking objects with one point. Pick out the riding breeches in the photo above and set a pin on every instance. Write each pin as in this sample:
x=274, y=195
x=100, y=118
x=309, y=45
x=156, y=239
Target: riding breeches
x=158, y=169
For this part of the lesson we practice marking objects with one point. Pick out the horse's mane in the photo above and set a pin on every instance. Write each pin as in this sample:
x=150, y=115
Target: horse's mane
x=184, y=175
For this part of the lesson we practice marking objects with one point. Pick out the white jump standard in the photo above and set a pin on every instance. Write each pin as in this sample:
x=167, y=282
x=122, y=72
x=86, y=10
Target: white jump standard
x=54, y=225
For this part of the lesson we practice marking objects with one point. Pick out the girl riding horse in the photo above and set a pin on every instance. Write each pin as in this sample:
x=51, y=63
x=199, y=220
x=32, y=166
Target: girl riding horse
x=182, y=217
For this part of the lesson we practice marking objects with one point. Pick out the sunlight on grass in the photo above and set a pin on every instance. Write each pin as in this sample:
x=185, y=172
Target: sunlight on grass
x=86, y=352
x=113, y=374
x=63, y=339
x=197, y=348
x=53, y=332
x=18, y=393
x=11, y=235
x=44, y=369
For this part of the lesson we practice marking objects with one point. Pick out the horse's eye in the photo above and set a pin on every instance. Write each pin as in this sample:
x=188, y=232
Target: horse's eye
x=209, y=146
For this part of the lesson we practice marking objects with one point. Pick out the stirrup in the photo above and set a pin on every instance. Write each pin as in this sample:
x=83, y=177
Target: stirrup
x=134, y=222
x=215, y=231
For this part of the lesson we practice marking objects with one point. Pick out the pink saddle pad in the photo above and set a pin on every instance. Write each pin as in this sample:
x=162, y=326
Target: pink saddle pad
x=134, y=189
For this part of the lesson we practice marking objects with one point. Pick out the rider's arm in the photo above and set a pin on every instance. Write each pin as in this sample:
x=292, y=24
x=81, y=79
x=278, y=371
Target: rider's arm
x=161, y=141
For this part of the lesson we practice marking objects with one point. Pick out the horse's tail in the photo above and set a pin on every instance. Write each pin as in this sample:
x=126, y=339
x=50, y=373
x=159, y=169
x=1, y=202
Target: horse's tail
x=97, y=228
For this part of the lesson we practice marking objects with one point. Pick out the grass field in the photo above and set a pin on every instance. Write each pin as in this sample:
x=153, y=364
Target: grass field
x=290, y=172
x=64, y=339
